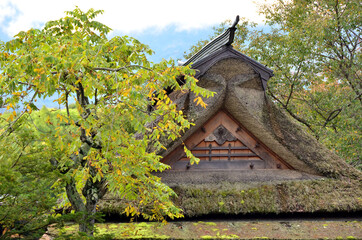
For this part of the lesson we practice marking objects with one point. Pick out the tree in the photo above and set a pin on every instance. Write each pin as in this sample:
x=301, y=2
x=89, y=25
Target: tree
x=107, y=146
x=314, y=48
x=26, y=178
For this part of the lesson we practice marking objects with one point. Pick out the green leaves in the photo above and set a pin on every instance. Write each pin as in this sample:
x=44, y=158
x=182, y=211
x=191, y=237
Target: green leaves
x=25, y=181
x=314, y=51
x=109, y=142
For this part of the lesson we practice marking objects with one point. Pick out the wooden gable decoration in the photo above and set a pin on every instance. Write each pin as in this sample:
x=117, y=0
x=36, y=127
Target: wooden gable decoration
x=240, y=129
x=224, y=144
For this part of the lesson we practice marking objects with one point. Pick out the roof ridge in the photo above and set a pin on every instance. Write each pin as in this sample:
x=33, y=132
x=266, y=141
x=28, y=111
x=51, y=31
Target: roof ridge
x=224, y=39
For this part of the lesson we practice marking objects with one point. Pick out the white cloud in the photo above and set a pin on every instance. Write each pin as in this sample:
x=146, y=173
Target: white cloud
x=5, y=11
x=127, y=16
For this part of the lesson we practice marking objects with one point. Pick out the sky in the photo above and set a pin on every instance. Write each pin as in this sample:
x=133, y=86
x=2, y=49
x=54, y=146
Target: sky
x=169, y=27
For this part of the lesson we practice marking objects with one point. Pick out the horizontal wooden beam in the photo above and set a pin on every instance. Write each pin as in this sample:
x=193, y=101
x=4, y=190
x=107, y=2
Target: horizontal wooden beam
x=219, y=165
x=226, y=155
x=219, y=148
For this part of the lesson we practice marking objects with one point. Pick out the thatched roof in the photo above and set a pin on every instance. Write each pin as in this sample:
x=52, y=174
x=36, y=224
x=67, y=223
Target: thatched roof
x=239, y=92
x=316, y=180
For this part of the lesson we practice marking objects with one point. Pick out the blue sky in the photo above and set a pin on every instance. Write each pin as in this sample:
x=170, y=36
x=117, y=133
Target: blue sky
x=169, y=27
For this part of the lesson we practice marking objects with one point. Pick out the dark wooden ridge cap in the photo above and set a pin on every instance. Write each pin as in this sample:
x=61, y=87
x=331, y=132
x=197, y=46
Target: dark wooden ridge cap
x=229, y=52
x=224, y=39
x=220, y=48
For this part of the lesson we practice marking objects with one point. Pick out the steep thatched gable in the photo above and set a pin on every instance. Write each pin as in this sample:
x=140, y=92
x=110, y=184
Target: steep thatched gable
x=254, y=158
x=239, y=92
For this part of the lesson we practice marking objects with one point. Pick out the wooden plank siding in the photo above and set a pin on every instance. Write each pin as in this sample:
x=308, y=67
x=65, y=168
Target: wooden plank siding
x=245, y=152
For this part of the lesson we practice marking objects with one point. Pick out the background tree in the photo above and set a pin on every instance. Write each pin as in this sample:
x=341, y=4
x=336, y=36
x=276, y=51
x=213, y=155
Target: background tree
x=112, y=83
x=314, y=48
x=26, y=177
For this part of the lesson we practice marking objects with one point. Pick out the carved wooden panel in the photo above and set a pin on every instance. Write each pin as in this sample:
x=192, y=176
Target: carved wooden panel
x=222, y=143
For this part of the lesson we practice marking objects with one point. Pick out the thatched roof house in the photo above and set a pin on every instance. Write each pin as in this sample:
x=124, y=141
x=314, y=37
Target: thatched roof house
x=254, y=158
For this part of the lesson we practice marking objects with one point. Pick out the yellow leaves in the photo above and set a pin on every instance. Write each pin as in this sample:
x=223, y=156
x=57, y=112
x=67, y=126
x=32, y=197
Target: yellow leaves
x=11, y=117
x=39, y=70
x=199, y=101
x=79, y=80
x=130, y=210
x=59, y=100
x=150, y=93
x=62, y=118
x=61, y=143
x=17, y=94
x=189, y=155
x=48, y=120
x=163, y=147
x=126, y=92
x=29, y=108
x=9, y=106
x=87, y=131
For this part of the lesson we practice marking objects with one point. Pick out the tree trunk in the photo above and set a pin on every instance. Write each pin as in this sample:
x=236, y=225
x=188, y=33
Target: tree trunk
x=87, y=222
x=93, y=192
x=79, y=207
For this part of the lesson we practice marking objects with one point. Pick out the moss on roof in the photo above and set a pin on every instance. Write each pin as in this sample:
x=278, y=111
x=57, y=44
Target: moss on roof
x=198, y=200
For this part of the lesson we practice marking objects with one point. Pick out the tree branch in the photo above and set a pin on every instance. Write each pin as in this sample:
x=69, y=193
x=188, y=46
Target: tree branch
x=291, y=113
x=121, y=68
x=290, y=94
x=66, y=103
x=22, y=113
x=332, y=115
x=73, y=196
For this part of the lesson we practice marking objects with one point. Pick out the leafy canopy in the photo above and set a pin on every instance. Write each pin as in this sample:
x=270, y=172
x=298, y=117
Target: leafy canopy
x=106, y=146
